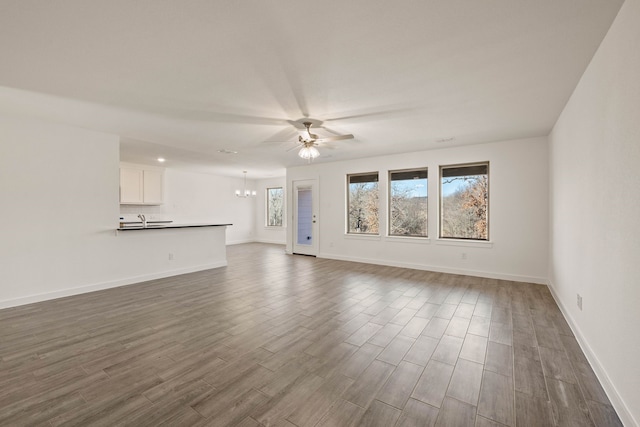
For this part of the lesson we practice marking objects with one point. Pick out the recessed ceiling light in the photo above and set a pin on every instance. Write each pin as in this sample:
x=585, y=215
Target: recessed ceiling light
x=161, y=159
x=225, y=151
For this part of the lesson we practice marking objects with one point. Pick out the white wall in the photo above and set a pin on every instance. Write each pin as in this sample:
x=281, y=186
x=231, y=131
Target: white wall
x=518, y=218
x=262, y=232
x=199, y=197
x=58, y=187
x=59, y=193
x=595, y=211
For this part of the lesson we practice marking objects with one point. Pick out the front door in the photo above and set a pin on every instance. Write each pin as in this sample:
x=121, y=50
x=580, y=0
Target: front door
x=305, y=218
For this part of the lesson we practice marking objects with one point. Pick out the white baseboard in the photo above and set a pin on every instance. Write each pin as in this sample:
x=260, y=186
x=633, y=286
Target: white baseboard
x=616, y=400
x=106, y=285
x=475, y=273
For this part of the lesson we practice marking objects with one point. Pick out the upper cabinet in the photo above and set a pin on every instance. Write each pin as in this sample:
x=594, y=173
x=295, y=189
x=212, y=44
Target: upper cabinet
x=141, y=186
x=152, y=186
x=131, y=185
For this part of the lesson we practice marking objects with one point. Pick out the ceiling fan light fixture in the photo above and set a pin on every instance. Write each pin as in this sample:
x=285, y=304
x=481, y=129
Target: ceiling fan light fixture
x=308, y=152
x=309, y=141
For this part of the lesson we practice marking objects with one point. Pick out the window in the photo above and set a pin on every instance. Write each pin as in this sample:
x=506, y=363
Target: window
x=464, y=201
x=408, y=203
x=362, y=203
x=275, y=199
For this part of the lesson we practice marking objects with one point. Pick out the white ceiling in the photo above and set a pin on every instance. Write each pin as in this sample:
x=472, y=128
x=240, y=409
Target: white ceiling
x=184, y=79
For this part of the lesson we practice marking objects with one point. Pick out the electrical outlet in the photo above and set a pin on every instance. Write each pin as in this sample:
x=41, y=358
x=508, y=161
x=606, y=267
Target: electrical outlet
x=170, y=256
x=579, y=301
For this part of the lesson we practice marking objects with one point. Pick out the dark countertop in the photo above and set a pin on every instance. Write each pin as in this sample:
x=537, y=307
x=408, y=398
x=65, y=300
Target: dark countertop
x=163, y=226
x=151, y=221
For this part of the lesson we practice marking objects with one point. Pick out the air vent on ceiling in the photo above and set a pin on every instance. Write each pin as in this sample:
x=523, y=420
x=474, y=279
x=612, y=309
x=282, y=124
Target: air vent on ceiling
x=443, y=140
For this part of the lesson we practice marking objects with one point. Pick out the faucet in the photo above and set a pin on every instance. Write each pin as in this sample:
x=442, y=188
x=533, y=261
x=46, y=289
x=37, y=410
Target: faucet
x=143, y=219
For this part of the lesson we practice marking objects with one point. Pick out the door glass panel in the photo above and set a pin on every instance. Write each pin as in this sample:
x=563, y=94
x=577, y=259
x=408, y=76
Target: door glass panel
x=304, y=217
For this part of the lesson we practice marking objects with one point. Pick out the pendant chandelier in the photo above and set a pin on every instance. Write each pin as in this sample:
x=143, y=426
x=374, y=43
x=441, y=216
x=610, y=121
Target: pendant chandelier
x=245, y=193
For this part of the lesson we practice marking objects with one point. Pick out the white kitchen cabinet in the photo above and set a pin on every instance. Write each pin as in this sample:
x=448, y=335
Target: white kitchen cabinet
x=140, y=186
x=152, y=184
x=131, y=189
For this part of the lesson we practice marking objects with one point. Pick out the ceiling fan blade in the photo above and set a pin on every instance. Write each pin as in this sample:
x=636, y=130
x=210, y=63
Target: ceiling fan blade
x=293, y=148
x=364, y=115
x=334, y=138
x=332, y=131
x=285, y=135
x=210, y=115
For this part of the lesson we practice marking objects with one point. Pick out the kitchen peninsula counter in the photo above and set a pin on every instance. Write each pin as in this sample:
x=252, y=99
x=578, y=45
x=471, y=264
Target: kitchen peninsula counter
x=170, y=248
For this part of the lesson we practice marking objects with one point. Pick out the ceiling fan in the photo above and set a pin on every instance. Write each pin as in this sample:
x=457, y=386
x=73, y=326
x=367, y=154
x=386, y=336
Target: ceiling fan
x=310, y=141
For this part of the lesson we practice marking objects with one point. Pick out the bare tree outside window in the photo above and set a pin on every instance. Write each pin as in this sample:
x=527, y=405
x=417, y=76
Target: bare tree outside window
x=362, y=203
x=464, y=201
x=408, y=203
x=275, y=204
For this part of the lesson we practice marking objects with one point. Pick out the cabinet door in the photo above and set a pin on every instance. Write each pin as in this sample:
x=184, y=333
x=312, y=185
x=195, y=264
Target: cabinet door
x=153, y=187
x=131, y=189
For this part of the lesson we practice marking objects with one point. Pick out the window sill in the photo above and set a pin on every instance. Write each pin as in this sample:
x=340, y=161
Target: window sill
x=362, y=236
x=408, y=239
x=274, y=227
x=465, y=243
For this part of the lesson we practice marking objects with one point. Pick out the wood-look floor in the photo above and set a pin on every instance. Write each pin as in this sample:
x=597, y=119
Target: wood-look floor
x=280, y=340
